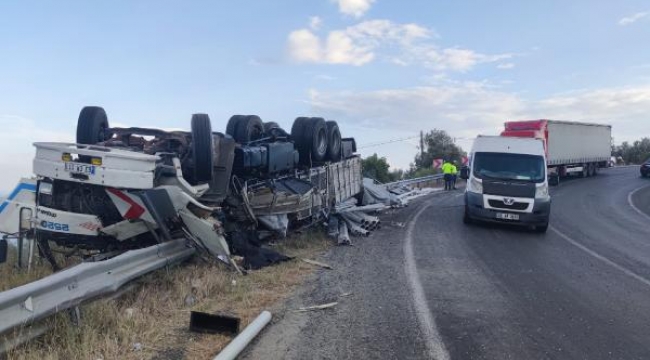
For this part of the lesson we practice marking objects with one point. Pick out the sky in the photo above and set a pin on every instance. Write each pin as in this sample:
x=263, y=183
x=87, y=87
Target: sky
x=384, y=69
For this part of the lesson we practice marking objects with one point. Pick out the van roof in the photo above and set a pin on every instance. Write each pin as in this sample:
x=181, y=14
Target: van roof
x=513, y=145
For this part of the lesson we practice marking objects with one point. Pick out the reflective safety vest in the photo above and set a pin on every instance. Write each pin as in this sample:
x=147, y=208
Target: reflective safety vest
x=447, y=168
x=454, y=170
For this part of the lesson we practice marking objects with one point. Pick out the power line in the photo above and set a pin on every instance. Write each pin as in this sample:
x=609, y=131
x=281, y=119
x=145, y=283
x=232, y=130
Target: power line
x=388, y=142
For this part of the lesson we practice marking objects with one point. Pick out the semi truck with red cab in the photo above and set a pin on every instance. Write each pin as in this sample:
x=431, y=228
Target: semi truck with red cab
x=572, y=148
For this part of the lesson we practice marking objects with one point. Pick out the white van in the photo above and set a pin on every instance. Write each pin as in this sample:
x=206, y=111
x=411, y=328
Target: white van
x=507, y=182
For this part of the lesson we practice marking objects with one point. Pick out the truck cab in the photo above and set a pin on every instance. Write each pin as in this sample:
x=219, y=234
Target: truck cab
x=507, y=182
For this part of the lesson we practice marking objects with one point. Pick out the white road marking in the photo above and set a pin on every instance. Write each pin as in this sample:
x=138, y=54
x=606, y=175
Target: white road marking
x=629, y=201
x=596, y=255
x=426, y=320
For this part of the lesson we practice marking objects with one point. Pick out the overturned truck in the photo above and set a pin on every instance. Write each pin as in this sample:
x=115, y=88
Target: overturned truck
x=118, y=189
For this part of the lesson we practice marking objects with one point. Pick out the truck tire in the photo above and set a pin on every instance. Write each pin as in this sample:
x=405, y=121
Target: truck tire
x=249, y=128
x=333, y=141
x=310, y=139
x=202, y=147
x=92, y=126
x=268, y=126
x=232, y=124
x=315, y=140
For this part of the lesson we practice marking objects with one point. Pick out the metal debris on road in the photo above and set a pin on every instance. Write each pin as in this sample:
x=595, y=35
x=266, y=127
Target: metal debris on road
x=317, y=307
x=320, y=264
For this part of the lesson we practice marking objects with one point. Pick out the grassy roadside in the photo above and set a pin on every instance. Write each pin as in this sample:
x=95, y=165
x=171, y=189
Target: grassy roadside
x=152, y=321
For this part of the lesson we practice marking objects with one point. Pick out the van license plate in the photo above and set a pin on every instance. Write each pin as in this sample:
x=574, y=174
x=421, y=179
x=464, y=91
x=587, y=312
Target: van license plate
x=80, y=168
x=507, y=216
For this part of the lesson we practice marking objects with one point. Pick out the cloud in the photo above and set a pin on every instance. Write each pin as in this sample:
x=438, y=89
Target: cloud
x=315, y=22
x=17, y=138
x=466, y=109
x=304, y=46
x=400, y=44
x=633, y=18
x=355, y=8
x=505, y=66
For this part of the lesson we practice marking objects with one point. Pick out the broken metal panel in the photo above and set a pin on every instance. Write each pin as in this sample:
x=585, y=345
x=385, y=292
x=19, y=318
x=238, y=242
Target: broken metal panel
x=207, y=231
x=68, y=288
x=126, y=229
x=278, y=223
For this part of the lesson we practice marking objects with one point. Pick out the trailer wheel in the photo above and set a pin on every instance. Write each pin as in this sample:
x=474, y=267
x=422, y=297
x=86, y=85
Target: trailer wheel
x=202, y=147
x=232, y=124
x=92, y=126
x=248, y=129
x=310, y=138
x=268, y=126
x=314, y=141
x=333, y=141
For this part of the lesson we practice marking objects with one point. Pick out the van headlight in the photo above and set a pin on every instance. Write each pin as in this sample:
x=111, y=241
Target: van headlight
x=475, y=186
x=541, y=192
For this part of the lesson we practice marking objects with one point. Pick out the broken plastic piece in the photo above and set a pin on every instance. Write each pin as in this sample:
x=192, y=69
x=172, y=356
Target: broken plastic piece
x=213, y=323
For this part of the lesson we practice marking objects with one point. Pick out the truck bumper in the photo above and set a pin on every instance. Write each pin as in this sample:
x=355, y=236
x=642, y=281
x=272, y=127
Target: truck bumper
x=475, y=210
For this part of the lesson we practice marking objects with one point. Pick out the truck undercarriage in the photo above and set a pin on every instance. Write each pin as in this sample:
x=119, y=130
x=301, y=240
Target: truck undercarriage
x=117, y=189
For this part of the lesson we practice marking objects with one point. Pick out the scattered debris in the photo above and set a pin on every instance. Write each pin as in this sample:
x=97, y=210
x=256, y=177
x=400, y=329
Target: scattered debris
x=137, y=347
x=242, y=340
x=344, y=236
x=213, y=323
x=313, y=262
x=317, y=307
x=346, y=294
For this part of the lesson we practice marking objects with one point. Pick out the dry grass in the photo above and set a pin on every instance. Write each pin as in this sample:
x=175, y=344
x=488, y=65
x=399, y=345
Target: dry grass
x=155, y=315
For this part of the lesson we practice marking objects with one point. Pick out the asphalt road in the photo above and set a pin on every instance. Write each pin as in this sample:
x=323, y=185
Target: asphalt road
x=428, y=286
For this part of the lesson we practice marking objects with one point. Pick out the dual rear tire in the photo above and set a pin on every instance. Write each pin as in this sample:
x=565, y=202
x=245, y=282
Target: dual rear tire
x=316, y=140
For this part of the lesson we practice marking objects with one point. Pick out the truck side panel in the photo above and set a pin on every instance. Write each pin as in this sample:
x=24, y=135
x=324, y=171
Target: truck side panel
x=576, y=143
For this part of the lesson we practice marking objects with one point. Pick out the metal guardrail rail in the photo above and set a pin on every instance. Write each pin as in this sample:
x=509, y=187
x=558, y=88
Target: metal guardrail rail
x=66, y=289
x=414, y=181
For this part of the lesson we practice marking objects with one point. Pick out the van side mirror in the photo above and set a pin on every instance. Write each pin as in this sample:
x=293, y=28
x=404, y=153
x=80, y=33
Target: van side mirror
x=464, y=173
x=554, y=180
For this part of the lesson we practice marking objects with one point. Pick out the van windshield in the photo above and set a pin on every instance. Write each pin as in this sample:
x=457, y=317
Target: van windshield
x=502, y=166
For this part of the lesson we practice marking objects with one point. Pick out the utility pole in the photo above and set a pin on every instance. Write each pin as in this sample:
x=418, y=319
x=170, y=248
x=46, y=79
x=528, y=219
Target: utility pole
x=421, y=144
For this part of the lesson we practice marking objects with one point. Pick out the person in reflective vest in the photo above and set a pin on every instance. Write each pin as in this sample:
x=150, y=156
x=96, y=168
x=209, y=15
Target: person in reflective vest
x=454, y=175
x=447, y=170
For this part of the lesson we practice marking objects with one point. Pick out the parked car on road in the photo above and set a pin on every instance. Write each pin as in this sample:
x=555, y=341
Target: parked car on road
x=645, y=168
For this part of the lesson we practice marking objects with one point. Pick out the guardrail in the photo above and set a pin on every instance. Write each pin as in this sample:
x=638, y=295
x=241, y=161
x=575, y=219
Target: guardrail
x=414, y=181
x=26, y=304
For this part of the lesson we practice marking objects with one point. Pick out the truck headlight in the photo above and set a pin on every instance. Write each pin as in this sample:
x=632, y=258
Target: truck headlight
x=475, y=186
x=541, y=191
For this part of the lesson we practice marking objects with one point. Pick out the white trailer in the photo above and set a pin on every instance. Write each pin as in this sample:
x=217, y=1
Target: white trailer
x=571, y=147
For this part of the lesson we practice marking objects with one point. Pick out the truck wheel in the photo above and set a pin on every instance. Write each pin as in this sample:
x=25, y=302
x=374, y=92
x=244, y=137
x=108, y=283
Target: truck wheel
x=333, y=141
x=232, y=124
x=202, y=147
x=92, y=126
x=268, y=126
x=315, y=136
x=248, y=129
x=310, y=138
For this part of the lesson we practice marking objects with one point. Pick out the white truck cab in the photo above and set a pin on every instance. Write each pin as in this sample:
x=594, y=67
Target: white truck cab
x=507, y=182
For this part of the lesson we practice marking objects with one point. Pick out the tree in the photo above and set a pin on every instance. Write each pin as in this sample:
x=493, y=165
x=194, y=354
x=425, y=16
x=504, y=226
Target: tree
x=377, y=168
x=437, y=145
x=636, y=153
